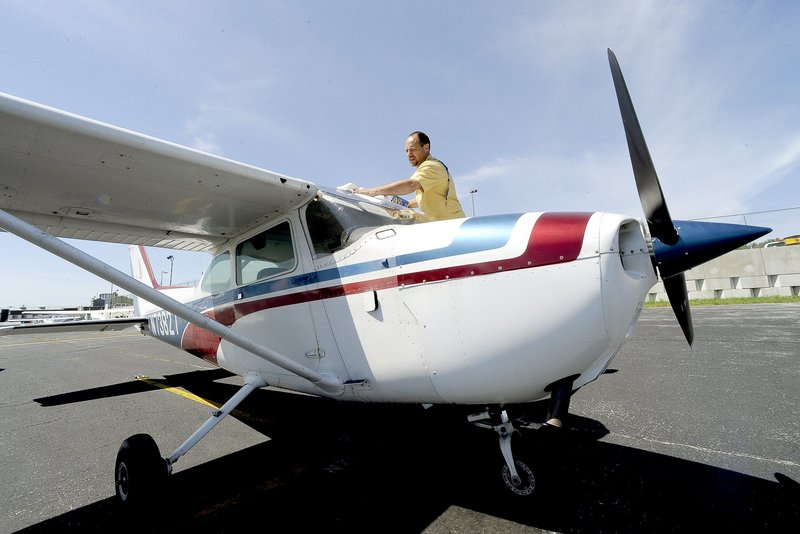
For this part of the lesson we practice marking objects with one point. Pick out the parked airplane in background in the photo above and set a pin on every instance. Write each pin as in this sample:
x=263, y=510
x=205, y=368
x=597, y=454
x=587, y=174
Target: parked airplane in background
x=61, y=315
x=338, y=295
x=786, y=241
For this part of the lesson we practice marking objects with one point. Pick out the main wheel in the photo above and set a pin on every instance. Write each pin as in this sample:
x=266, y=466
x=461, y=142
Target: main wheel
x=524, y=484
x=140, y=470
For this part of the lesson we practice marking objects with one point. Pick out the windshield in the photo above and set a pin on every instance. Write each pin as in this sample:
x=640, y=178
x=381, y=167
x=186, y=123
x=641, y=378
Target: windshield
x=337, y=220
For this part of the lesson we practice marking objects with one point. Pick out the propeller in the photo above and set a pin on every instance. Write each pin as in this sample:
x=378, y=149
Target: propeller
x=650, y=194
x=675, y=249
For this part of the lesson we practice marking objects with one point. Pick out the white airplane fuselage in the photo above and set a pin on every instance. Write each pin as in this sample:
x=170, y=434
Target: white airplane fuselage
x=485, y=310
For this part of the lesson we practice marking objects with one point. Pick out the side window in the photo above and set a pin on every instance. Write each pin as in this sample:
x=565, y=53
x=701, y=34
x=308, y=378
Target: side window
x=218, y=274
x=265, y=254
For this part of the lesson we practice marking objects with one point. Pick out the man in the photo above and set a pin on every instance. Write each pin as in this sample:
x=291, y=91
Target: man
x=431, y=182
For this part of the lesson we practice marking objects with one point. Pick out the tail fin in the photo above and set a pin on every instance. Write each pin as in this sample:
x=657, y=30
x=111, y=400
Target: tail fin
x=140, y=266
x=142, y=271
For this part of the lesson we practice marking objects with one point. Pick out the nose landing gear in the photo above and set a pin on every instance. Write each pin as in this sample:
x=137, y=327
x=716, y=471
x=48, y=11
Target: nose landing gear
x=517, y=476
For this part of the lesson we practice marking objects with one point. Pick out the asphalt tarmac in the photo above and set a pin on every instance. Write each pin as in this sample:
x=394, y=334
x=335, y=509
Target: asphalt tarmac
x=668, y=440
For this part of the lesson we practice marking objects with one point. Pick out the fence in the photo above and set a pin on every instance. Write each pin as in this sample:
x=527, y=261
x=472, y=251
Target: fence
x=756, y=272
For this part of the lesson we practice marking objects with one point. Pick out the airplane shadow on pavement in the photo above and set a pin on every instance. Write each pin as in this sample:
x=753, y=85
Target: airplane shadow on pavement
x=337, y=466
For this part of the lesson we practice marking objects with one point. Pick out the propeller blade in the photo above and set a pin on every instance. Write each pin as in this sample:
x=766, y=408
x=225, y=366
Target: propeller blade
x=650, y=194
x=675, y=287
x=675, y=250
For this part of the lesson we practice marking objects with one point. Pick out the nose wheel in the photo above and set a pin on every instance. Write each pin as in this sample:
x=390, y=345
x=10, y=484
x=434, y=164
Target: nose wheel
x=517, y=476
x=523, y=483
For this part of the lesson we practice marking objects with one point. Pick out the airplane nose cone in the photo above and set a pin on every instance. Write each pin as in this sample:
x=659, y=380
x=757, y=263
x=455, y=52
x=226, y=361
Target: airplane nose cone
x=699, y=242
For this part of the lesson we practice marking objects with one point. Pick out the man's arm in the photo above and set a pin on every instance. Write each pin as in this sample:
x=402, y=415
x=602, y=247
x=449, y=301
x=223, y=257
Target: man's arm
x=400, y=187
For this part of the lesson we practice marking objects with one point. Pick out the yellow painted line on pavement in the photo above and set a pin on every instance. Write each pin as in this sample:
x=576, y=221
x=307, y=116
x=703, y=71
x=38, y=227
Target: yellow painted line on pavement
x=176, y=391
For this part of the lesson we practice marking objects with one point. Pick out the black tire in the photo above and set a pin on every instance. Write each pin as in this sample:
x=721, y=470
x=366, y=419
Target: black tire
x=527, y=482
x=140, y=471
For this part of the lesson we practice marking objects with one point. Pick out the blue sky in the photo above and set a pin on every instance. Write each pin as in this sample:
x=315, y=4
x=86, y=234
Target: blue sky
x=516, y=96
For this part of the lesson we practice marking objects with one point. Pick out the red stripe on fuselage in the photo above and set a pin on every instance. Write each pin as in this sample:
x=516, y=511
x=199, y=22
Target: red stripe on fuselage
x=555, y=238
x=558, y=237
x=200, y=342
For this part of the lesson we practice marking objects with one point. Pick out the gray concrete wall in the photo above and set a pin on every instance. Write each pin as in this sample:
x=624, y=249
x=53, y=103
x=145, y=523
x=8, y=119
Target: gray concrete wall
x=758, y=272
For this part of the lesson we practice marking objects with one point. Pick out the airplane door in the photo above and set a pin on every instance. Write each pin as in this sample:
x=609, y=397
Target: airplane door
x=374, y=335
x=274, y=305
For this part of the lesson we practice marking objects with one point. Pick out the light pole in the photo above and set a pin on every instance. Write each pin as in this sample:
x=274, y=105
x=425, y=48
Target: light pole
x=472, y=196
x=171, y=260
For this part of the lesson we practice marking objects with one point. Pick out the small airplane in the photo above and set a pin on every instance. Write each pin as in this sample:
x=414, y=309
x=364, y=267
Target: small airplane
x=355, y=298
x=58, y=315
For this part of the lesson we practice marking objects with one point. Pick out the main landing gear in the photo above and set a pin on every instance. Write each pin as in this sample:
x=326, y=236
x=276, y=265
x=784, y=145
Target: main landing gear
x=517, y=476
x=140, y=471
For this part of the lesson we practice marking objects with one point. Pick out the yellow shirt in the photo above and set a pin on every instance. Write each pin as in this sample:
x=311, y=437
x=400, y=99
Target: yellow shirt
x=437, y=199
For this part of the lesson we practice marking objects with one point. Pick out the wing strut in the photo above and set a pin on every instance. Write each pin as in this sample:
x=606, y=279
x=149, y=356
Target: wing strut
x=251, y=383
x=326, y=381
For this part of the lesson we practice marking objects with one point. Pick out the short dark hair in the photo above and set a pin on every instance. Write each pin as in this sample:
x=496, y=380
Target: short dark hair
x=422, y=137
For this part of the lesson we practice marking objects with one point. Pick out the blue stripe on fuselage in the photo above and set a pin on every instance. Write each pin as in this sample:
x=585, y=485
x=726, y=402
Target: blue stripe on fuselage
x=474, y=235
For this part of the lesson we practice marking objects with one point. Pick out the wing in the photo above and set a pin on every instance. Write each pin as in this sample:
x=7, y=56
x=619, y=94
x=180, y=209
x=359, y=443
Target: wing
x=78, y=178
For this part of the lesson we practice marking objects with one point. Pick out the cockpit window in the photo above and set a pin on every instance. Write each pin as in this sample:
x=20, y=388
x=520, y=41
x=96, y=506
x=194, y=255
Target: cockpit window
x=266, y=254
x=336, y=221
